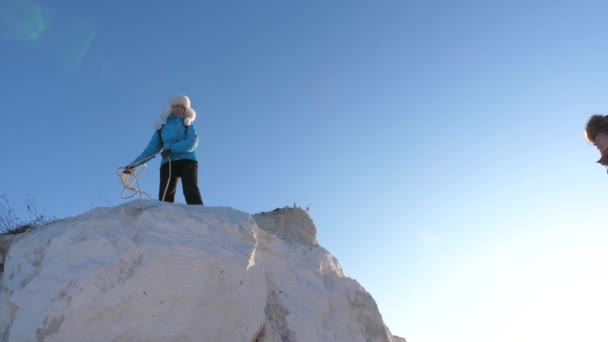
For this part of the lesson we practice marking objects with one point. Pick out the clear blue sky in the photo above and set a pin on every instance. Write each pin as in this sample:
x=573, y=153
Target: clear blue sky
x=438, y=144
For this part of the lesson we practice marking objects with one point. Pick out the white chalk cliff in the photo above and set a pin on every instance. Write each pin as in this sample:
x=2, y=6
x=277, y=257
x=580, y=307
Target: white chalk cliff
x=152, y=271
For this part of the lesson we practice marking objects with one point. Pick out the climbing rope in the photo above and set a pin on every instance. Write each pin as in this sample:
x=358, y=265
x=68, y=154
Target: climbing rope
x=168, y=180
x=130, y=181
x=129, y=177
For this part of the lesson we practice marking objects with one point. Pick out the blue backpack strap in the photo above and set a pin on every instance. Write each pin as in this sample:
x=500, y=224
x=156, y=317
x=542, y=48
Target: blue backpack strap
x=160, y=136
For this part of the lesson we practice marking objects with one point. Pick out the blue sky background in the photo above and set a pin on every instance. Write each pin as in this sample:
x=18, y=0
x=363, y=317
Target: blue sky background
x=438, y=144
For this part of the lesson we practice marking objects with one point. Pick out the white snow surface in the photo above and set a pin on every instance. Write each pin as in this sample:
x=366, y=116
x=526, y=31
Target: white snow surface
x=153, y=271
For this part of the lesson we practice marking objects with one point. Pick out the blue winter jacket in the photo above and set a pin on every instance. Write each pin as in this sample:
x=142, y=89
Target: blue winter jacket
x=181, y=141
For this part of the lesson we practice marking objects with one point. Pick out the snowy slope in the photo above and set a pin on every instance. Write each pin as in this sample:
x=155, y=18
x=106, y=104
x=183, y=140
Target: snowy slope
x=152, y=271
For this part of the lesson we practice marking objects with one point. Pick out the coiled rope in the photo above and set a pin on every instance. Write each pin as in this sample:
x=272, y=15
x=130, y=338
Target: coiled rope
x=129, y=177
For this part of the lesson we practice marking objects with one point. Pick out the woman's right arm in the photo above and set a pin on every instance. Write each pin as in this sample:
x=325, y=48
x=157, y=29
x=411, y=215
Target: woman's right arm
x=154, y=146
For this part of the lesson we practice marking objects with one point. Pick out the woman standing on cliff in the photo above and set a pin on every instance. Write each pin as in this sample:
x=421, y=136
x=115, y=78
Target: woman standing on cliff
x=177, y=138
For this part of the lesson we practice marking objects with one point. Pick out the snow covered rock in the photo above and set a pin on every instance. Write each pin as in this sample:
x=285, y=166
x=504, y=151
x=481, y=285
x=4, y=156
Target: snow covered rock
x=291, y=224
x=5, y=242
x=152, y=271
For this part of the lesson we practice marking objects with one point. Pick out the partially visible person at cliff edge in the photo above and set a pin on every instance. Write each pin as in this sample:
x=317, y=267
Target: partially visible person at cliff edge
x=177, y=138
x=596, y=132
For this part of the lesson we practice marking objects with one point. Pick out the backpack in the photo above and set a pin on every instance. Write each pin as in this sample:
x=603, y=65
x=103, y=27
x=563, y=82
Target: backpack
x=160, y=136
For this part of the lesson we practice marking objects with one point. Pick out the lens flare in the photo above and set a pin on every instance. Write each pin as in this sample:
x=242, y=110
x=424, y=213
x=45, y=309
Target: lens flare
x=60, y=38
x=21, y=20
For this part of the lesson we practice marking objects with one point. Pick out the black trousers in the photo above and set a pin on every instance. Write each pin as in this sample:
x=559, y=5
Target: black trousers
x=187, y=170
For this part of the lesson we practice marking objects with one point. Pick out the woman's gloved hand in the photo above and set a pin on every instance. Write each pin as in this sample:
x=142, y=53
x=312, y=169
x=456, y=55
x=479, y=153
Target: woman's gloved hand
x=166, y=153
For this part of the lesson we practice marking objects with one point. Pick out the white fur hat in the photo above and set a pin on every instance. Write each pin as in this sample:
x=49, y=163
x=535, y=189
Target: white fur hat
x=179, y=99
